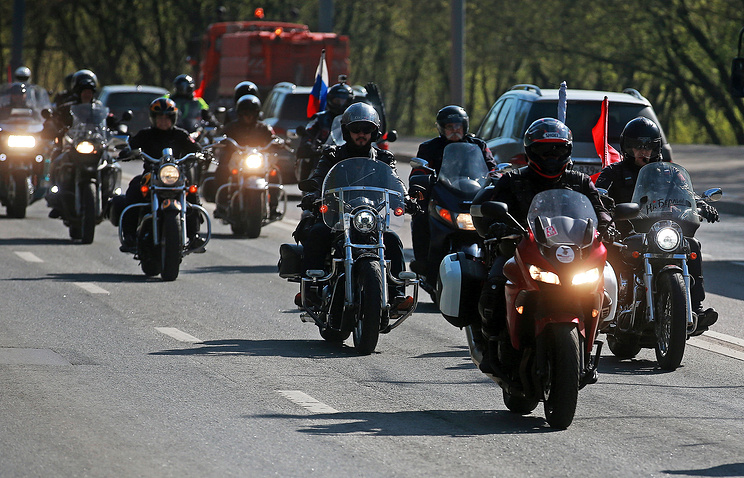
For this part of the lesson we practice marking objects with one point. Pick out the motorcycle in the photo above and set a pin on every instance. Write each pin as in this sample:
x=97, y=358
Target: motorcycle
x=362, y=198
x=462, y=175
x=555, y=297
x=254, y=195
x=88, y=175
x=654, y=306
x=24, y=153
x=161, y=229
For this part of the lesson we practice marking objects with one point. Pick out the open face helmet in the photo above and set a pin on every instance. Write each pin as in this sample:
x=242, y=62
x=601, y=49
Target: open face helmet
x=163, y=106
x=548, y=144
x=641, y=133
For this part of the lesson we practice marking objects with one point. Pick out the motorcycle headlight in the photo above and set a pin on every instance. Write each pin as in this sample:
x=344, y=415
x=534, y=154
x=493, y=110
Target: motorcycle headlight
x=169, y=174
x=465, y=222
x=21, y=141
x=542, y=275
x=587, y=277
x=667, y=238
x=253, y=161
x=85, y=147
x=364, y=221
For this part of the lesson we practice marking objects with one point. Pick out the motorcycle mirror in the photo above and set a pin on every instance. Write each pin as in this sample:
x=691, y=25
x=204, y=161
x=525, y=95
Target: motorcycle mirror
x=602, y=191
x=122, y=129
x=626, y=210
x=498, y=210
x=46, y=113
x=589, y=232
x=420, y=163
x=127, y=115
x=292, y=134
x=300, y=130
x=713, y=194
x=392, y=136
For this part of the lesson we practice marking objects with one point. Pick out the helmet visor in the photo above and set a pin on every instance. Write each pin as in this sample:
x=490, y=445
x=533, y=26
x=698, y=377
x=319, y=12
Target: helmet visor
x=361, y=127
x=643, y=143
x=551, y=150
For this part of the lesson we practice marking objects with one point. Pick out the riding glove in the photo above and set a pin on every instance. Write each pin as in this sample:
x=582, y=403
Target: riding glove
x=707, y=211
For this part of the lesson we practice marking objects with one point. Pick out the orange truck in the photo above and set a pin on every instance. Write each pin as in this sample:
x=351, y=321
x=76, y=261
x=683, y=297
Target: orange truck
x=265, y=53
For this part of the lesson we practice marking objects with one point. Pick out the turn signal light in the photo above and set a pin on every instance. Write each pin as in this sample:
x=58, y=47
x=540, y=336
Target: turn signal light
x=693, y=256
x=635, y=254
x=520, y=309
x=595, y=313
x=399, y=211
x=324, y=208
x=145, y=190
x=234, y=171
x=193, y=188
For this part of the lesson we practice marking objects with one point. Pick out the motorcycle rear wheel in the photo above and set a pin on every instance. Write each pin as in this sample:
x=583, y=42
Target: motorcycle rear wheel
x=564, y=364
x=671, y=320
x=369, y=288
x=171, y=245
x=520, y=405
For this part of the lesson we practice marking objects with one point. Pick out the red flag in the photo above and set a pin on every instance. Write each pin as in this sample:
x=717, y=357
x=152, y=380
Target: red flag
x=606, y=152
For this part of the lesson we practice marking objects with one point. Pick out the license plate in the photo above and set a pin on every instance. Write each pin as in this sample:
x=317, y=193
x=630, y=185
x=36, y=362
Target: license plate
x=587, y=168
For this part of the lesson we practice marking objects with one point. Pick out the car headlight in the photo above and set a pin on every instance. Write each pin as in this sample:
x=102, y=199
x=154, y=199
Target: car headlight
x=21, y=141
x=542, y=275
x=364, y=221
x=253, y=161
x=587, y=277
x=85, y=147
x=667, y=239
x=169, y=174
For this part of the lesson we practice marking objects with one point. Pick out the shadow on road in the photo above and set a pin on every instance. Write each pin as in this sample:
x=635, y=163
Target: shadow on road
x=729, y=469
x=36, y=241
x=90, y=277
x=720, y=280
x=265, y=348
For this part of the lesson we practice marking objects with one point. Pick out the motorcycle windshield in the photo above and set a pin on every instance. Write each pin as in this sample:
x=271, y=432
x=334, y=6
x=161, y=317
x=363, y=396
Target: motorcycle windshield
x=89, y=117
x=337, y=136
x=463, y=169
x=21, y=112
x=562, y=216
x=664, y=192
x=356, y=182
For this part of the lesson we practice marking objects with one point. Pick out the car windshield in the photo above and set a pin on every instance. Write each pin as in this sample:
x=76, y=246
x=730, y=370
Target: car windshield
x=356, y=182
x=582, y=116
x=294, y=107
x=463, y=168
x=664, y=192
x=134, y=101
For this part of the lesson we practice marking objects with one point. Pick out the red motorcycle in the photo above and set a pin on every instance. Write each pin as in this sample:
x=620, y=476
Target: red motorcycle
x=555, y=296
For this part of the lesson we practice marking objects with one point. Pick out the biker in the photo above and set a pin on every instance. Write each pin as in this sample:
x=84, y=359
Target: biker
x=640, y=144
x=189, y=106
x=360, y=125
x=340, y=96
x=547, y=144
x=247, y=130
x=241, y=89
x=163, y=133
x=452, y=124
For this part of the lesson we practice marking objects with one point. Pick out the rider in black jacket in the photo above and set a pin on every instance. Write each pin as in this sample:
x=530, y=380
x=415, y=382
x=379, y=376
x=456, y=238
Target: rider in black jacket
x=548, y=144
x=640, y=144
x=162, y=134
x=360, y=124
x=452, y=123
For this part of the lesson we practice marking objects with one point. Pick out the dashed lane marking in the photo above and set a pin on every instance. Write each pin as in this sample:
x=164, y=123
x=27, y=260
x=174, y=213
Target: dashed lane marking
x=719, y=343
x=28, y=256
x=178, y=335
x=92, y=288
x=306, y=401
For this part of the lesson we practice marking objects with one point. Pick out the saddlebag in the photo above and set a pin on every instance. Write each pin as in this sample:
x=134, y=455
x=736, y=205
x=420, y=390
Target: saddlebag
x=290, y=261
x=462, y=280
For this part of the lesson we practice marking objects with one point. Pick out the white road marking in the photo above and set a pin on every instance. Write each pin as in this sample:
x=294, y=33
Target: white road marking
x=735, y=262
x=306, y=401
x=716, y=346
x=28, y=256
x=92, y=288
x=178, y=335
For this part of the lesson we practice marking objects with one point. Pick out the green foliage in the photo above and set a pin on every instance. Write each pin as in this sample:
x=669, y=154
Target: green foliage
x=677, y=53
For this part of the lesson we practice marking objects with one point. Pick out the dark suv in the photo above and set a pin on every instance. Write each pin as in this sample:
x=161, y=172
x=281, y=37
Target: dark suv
x=505, y=124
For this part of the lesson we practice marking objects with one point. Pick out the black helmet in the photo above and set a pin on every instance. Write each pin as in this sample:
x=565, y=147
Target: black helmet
x=163, y=106
x=641, y=132
x=82, y=80
x=340, y=97
x=452, y=114
x=548, y=144
x=244, y=88
x=22, y=74
x=183, y=85
x=248, y=104
x=359, y=114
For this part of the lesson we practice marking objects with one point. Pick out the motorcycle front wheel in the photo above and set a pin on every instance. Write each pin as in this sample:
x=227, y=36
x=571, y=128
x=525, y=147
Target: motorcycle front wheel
x=18, y=196
x=171, y=246
x=563, y=367
x=250, y=216
x=88, y=212
x=671, y=319
x=369, y=289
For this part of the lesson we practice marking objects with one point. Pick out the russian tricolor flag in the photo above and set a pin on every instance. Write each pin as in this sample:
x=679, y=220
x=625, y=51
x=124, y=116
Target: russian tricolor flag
x=317, y=100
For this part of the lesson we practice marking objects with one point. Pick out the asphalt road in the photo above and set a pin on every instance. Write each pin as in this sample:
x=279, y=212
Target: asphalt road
x=104, y=372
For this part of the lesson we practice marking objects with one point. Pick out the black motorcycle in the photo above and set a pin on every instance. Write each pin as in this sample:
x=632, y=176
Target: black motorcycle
x=87, y=174
x=654, y=307
x=24, y=153
x=361, y=198
x=162, y=241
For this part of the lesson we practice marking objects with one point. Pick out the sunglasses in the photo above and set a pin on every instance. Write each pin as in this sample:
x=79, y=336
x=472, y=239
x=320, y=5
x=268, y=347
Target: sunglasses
x=363, y=128
x=551, y=149
x=642, y=143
